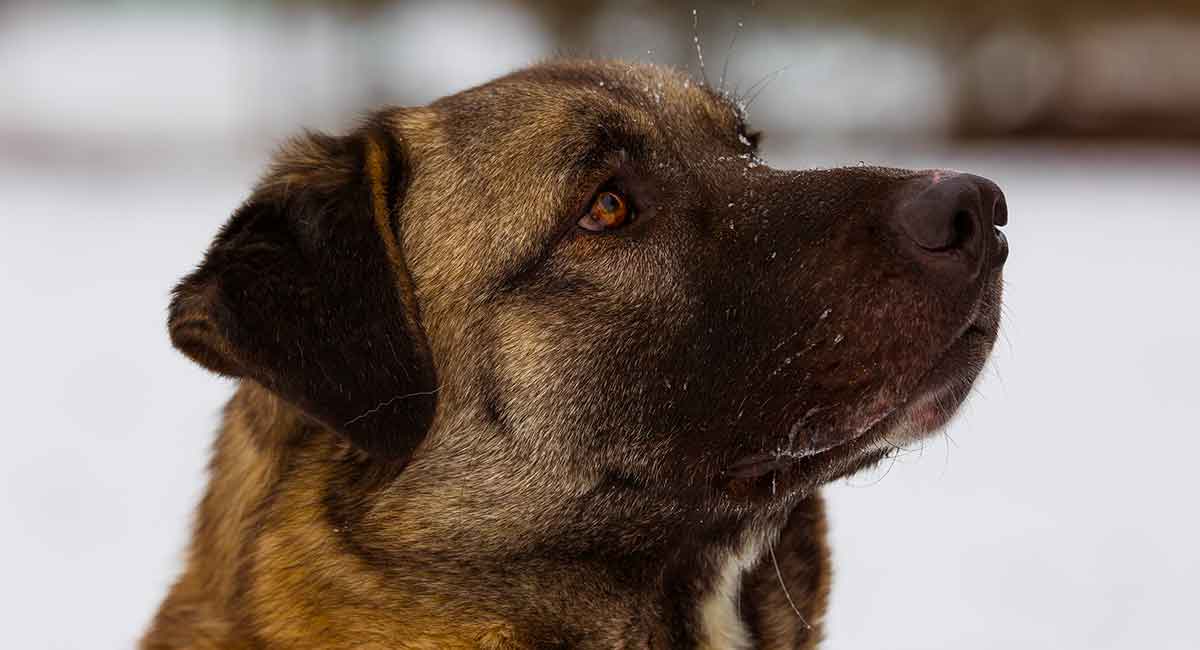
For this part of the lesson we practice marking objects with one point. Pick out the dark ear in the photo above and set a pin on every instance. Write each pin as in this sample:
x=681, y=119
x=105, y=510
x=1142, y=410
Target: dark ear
x=306, y=291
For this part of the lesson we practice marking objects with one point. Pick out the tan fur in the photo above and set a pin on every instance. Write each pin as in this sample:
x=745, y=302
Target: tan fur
x=261, y=513
x=721, y=622
x=247, y=461
x=235, y=575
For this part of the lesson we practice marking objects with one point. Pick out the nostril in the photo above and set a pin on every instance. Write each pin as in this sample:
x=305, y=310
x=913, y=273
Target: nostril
x=962, y=227
x=946, y=221
x=931, y=231
x=942, y=213
x=936, y=229
x=965, y=225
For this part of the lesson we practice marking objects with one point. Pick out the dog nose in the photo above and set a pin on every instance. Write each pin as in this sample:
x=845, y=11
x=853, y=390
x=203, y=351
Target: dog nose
x=950, y=221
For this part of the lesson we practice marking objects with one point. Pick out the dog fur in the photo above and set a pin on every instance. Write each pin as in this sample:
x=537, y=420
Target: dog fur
x=464, y=422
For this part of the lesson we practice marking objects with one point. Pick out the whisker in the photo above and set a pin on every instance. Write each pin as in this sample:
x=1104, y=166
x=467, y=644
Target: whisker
x=388, y=402
x=729, y=55
x=994, y=370
x=946, y=461
x=891, y=456
x=696, y=41
x=779, y=574
x=887, y=441
x=759, y=86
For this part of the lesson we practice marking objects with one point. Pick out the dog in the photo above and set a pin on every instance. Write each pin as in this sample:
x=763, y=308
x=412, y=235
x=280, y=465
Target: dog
x=559, y=362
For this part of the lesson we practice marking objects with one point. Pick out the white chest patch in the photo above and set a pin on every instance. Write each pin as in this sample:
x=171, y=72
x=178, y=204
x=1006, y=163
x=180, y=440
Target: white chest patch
x=721, y=624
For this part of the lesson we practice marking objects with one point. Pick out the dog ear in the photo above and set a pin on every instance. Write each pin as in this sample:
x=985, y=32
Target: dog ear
x=305, y=291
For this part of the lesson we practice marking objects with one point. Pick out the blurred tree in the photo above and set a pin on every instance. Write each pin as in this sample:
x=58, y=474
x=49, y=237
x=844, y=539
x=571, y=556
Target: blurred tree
x=1011, y=63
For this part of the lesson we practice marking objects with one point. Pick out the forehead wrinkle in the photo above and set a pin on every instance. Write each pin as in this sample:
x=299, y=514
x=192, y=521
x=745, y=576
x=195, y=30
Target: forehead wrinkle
x=577, y=125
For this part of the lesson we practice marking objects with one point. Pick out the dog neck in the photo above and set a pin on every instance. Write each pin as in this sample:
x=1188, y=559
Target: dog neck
x=286, y=552
x=719, y=617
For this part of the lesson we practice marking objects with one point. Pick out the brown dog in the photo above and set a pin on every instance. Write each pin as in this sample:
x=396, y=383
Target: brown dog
x=557, y=362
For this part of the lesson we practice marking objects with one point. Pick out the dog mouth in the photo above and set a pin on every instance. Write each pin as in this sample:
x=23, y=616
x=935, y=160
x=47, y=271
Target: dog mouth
x=929, y=406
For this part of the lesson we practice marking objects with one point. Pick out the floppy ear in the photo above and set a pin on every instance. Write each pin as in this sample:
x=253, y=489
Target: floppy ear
x=305, y=291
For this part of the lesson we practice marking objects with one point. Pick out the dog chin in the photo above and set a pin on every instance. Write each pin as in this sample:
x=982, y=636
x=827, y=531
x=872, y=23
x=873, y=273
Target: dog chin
x=944, y=388
x=934, y=403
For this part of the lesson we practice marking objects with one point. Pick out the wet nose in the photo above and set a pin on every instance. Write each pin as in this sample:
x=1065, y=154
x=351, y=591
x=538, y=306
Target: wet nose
x=949, y=221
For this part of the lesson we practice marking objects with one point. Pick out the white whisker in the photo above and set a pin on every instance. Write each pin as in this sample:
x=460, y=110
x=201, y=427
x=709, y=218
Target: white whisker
x=729, y=55
x=779, y=574
x=699, y=49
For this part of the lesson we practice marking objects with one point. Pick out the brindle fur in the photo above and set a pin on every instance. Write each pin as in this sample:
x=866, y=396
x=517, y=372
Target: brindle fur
x=462, y=422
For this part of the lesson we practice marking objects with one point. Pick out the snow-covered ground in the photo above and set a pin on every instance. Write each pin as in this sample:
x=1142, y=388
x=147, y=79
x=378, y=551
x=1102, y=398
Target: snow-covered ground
x=1062, y=515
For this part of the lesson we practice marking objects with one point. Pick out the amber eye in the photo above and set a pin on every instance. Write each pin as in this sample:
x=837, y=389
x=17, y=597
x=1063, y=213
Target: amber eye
x=609, y=210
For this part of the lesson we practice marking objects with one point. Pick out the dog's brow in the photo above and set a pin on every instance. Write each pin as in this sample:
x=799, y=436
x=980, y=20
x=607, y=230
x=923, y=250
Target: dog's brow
x=608, y=134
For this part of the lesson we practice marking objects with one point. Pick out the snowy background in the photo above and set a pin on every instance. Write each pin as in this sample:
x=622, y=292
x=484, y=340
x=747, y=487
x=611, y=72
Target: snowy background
x=1059, y=511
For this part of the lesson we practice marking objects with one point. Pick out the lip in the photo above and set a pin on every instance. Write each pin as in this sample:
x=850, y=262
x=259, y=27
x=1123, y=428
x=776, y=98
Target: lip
x=1000, y=251
x=945, y=386
x=930, y=405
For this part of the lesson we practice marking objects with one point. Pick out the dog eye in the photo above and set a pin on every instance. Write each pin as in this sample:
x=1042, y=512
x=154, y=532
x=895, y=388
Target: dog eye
x=609, y=211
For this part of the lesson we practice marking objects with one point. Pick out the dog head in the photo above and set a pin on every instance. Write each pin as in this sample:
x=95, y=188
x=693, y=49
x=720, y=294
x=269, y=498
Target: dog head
x=579, y=283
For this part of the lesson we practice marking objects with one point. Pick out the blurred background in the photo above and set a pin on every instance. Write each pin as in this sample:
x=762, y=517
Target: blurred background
x=1059, y=511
